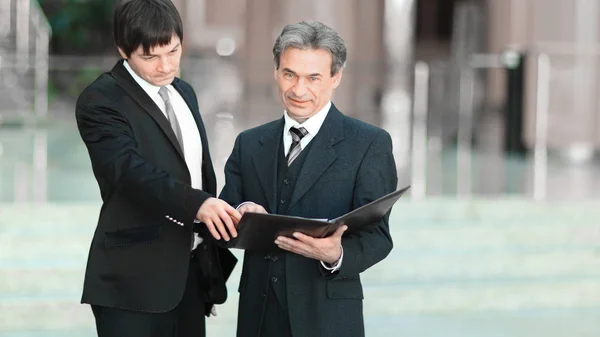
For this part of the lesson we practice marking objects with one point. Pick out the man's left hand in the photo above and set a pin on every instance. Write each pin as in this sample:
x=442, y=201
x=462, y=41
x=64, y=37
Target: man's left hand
x=327, y=249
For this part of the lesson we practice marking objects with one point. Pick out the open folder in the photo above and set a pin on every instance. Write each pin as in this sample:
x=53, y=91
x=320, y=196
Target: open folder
x=258, y=231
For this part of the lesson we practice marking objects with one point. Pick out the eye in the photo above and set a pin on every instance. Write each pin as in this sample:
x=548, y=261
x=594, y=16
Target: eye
x=314, y=78
x=174, y=51
x=288, y=75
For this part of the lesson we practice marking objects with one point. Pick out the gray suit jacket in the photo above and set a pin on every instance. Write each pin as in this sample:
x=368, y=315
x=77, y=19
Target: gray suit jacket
x=350, y=163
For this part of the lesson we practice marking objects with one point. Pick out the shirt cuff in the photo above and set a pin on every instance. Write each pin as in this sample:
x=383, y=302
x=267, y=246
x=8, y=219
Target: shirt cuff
x=336, y=266
x=243, y=203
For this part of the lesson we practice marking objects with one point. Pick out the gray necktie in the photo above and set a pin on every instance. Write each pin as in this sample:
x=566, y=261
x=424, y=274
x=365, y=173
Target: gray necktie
x=295, y=148
x=164, y=94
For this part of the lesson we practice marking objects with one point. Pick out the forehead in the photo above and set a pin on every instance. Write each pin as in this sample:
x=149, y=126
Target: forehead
x=306, y=61
x=160, y=49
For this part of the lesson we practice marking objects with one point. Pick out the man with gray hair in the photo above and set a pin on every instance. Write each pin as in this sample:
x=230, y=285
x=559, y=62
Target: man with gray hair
x=313, y=162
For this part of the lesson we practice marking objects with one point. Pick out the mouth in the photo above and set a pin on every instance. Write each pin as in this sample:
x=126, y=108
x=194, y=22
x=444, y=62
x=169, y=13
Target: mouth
x=297, y=102
x=165, y=77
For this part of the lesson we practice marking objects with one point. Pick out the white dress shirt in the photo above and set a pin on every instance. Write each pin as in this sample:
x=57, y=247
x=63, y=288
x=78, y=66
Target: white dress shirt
x=192, y=149
x=312, y=125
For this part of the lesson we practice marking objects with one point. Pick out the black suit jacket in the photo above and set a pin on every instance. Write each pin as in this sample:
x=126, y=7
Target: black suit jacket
x=139, y=255
x=349, y=164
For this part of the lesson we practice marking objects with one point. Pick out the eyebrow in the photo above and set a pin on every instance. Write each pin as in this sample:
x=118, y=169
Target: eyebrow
x=293, y=72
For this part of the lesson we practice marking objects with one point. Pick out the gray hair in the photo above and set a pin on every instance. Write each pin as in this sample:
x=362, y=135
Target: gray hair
x=311, y=35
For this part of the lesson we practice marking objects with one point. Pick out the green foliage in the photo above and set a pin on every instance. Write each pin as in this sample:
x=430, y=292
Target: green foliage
x=84, y=77
x=78, y=26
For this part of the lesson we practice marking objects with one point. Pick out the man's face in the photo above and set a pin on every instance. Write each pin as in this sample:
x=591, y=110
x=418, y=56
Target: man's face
x=160, y=66
x=305, y=82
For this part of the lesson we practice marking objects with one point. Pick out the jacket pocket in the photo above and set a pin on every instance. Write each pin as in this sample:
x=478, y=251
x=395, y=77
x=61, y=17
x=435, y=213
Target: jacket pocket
x=345, y=288
x=133, y=236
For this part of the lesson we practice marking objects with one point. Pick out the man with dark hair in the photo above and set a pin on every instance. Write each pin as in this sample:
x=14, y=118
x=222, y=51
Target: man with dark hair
x=316, y=163
x=154, y=266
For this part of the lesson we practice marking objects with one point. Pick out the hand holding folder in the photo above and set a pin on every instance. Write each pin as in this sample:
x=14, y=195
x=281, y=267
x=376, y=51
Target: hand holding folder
x=258, y=231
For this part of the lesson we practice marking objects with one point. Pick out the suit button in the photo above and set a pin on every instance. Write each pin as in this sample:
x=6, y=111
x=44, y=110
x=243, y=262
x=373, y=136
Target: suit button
x=274, y=259
x=286, y=181
x=274, y=279
x=282, y=201
x=267, y=257
x=263, y=295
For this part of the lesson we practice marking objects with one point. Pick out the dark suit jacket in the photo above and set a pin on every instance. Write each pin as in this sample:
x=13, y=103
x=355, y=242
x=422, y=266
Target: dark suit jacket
x=349, y=164
x=139, y=255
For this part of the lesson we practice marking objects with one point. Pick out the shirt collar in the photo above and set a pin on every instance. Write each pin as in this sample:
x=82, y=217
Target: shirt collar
x=149, y=88
x=312, y=125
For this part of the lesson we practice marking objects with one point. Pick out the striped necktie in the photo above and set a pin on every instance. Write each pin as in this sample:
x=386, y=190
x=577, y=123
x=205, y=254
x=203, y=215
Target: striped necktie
x=295, y=148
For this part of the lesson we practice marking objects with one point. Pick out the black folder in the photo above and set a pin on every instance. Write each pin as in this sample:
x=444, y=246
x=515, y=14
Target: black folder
x=258, y=231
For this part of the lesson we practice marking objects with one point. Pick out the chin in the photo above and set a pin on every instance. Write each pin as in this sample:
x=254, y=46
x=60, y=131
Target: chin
x=297, y=111
x=300, y=115
x=163, y=82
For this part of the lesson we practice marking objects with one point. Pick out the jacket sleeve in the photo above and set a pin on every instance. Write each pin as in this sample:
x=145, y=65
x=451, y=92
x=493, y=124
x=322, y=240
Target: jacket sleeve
x=116, y=161
x=232, y=191
x=377, y=177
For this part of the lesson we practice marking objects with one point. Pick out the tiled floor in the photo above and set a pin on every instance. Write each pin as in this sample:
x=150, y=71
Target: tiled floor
x=494, y=264
x=459, y=268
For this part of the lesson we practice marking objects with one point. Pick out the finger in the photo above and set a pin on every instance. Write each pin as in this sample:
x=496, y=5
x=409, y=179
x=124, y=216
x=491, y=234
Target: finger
x=287, y=246
x=221, y=228
x=228, y=222
x=253, y=208
x=298, y=250
x=305, y=238
x=243, y=210
x=260, y=209
x=246, y=207
x=340, y=231
x=233, y=213
x=285, y=239
x=294, y=246
x=211, y=229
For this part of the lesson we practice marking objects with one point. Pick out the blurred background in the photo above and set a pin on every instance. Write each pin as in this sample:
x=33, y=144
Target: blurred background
x=492, y=106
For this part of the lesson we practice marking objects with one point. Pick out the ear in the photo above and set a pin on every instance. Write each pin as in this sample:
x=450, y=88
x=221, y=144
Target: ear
x=337, y=78
x=123, y=55
x=275, y=73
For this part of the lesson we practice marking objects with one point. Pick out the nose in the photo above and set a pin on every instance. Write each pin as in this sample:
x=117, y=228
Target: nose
x=299, y=88
x=164, y=65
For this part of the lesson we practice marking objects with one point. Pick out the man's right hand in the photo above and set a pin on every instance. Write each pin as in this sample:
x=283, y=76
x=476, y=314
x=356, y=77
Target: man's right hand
x=219, y=217
x=251, y=207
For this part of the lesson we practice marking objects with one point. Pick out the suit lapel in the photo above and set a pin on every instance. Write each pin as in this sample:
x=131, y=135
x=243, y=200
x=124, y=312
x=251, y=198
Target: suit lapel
x=321, y=154
x=125, y=81
x=189, y=97
x=193, y=107
x=265, y=162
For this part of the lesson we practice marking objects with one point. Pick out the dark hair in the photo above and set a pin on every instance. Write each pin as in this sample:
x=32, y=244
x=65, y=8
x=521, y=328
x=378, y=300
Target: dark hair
x=311, y=35
x=149, y=23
